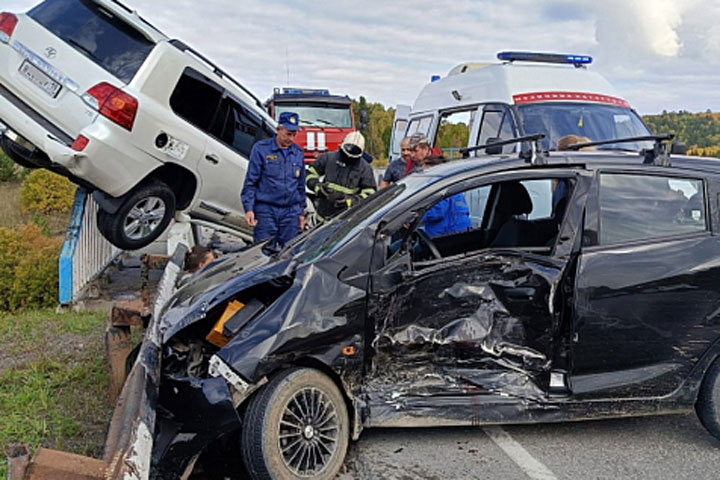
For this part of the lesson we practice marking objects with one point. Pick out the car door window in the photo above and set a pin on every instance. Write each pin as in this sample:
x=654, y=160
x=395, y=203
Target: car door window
x=496, y=125
x=454, y=132
x=237, y=127
x=196, y=99
x=523, y=213
x=419, y=125
x=639, y=207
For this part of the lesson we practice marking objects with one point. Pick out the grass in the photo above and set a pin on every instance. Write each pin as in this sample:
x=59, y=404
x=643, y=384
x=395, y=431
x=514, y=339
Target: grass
x=11, y=214
x=53, y=382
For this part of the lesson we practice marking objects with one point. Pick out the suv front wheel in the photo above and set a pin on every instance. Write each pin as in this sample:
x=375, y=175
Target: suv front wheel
x=142, y=217
x=296, y=427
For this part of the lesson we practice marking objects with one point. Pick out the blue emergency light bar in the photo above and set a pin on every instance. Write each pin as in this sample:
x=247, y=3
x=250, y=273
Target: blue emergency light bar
x=576, y=60
x=306, y=91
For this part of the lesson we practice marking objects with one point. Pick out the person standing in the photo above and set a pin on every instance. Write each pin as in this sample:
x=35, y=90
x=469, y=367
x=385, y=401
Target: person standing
x=273, y=194
x=400, y=167
x=346, y=177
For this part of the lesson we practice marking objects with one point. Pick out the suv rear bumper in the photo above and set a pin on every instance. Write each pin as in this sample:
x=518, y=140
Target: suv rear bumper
x=104, y=164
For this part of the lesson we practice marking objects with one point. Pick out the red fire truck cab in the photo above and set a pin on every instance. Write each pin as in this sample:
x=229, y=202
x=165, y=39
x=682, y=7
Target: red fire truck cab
x=324, y=119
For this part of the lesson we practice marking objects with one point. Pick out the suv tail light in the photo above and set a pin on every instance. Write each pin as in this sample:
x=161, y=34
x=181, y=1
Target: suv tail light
x=8, y=21
x=80, y=143
x=112, y=103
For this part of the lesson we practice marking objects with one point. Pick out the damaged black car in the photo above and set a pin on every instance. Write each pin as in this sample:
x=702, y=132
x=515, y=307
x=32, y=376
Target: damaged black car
x=587, y=286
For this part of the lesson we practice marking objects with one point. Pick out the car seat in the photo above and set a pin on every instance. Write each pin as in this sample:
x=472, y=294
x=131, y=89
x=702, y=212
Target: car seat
x=514, y=200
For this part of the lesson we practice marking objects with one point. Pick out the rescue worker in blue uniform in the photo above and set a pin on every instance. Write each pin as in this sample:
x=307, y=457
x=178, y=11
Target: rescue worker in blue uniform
x=273, y=195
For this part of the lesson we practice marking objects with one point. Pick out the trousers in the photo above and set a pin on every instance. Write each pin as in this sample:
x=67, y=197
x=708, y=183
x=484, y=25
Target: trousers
x=279, y=224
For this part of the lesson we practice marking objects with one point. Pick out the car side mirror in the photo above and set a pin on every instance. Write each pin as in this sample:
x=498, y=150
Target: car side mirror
x=494, y=150
x=678, y=148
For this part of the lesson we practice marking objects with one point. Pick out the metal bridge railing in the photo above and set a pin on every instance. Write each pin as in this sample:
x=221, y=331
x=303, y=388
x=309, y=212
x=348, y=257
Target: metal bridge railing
x=85, y=252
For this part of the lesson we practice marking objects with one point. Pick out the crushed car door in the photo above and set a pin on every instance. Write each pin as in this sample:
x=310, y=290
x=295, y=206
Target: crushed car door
x=482, y=323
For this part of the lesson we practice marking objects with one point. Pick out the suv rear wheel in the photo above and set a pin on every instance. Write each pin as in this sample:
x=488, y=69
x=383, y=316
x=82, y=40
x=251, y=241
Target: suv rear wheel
x=296, y=427
x=708, y=402
x=143, y=216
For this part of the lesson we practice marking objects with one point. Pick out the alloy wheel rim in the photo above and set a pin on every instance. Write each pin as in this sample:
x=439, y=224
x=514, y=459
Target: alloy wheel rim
x=308, y=432
x=144, y=217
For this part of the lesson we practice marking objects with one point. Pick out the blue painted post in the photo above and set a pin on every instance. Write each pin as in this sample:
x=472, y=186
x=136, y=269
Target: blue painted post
x=69, y=245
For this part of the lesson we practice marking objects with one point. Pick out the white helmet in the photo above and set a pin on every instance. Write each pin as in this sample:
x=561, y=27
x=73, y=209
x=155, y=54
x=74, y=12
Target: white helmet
x=353, y=145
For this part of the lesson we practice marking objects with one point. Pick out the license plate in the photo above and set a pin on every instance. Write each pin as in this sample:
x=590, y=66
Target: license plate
x=40, y=79
x=176, y=149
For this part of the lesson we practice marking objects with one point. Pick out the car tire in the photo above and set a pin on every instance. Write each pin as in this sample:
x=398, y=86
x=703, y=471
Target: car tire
x=707, y=405
x=21, y=156
x=142, y=217
x=322, y=433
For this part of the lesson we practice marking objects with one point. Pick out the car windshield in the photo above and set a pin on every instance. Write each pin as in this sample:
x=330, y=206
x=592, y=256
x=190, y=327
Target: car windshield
x=317, y=115
x=595, y=122
x=334, y=233
x=96, y=33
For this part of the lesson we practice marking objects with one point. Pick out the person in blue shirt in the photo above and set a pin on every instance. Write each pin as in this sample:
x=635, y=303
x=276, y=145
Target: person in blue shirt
x=448, y=216
x=273, y=194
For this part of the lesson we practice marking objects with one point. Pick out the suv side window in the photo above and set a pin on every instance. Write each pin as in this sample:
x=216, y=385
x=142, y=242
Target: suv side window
x=196, y=99
x=238, y=128
x=639, y=207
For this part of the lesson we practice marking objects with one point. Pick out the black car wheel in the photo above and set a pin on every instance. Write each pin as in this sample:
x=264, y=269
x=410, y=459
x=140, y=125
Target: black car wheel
x=708, y=402
x=142, y=217
x=296, y=427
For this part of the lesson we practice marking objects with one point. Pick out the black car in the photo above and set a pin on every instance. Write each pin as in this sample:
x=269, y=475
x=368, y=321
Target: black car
x=587, y=287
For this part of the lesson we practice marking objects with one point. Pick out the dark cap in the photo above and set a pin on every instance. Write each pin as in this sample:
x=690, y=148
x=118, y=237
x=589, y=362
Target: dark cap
x=289, y=121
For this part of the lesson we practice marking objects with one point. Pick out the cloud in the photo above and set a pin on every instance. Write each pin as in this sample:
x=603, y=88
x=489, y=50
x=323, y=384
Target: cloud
x=661, y=54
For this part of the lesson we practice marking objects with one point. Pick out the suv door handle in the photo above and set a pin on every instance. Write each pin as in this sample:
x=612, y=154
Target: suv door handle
x=212, y=158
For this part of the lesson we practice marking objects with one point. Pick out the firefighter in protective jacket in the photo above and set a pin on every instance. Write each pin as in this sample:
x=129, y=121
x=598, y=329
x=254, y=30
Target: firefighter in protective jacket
x=341, y=179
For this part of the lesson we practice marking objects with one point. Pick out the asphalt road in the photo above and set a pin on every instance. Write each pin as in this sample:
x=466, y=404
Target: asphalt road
x=671, y=447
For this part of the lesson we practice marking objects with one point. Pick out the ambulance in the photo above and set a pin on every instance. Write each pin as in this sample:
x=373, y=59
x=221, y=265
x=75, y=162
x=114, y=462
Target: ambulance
x=524, y=94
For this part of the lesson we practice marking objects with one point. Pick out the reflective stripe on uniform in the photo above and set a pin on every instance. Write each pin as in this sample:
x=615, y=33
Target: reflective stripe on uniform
x=341, y=189
x=366, y=192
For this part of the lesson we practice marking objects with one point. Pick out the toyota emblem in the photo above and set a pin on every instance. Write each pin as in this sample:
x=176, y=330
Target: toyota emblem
x=50, y=52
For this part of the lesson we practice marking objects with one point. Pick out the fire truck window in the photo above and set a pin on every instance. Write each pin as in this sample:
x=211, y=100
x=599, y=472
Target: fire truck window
x=454, y=132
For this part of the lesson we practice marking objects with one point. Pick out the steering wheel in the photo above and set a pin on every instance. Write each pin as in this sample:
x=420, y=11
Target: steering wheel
x=425, y=238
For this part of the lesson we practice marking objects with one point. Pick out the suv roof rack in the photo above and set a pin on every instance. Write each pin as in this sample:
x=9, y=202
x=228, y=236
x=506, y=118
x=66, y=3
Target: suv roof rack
x=657, y=155
x=180, y=45
x=534, y=155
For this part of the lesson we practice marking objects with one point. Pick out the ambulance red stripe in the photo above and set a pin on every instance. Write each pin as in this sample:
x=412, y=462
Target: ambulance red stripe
x=537, y=97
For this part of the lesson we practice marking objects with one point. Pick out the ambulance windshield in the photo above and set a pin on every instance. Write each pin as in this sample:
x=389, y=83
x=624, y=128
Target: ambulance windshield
x=592, y=122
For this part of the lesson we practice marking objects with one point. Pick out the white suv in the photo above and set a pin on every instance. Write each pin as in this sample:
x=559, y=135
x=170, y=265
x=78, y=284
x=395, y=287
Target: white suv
x=90, y=90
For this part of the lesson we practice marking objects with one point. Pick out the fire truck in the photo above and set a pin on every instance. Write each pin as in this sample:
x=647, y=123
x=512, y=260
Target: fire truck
x=324, y=119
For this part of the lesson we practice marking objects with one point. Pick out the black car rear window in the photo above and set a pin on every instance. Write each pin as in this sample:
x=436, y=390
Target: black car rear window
x=97, y=33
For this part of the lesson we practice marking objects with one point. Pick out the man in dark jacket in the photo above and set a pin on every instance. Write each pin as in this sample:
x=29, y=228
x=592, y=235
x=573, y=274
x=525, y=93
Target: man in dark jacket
x=346, y=177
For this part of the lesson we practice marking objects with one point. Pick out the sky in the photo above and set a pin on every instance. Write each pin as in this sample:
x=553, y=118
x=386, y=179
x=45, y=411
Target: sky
x=660, y=54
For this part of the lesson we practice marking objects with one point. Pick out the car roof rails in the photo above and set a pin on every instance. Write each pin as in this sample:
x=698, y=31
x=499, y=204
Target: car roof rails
x=657, y=155
x=179, y=44
x=534, y=155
